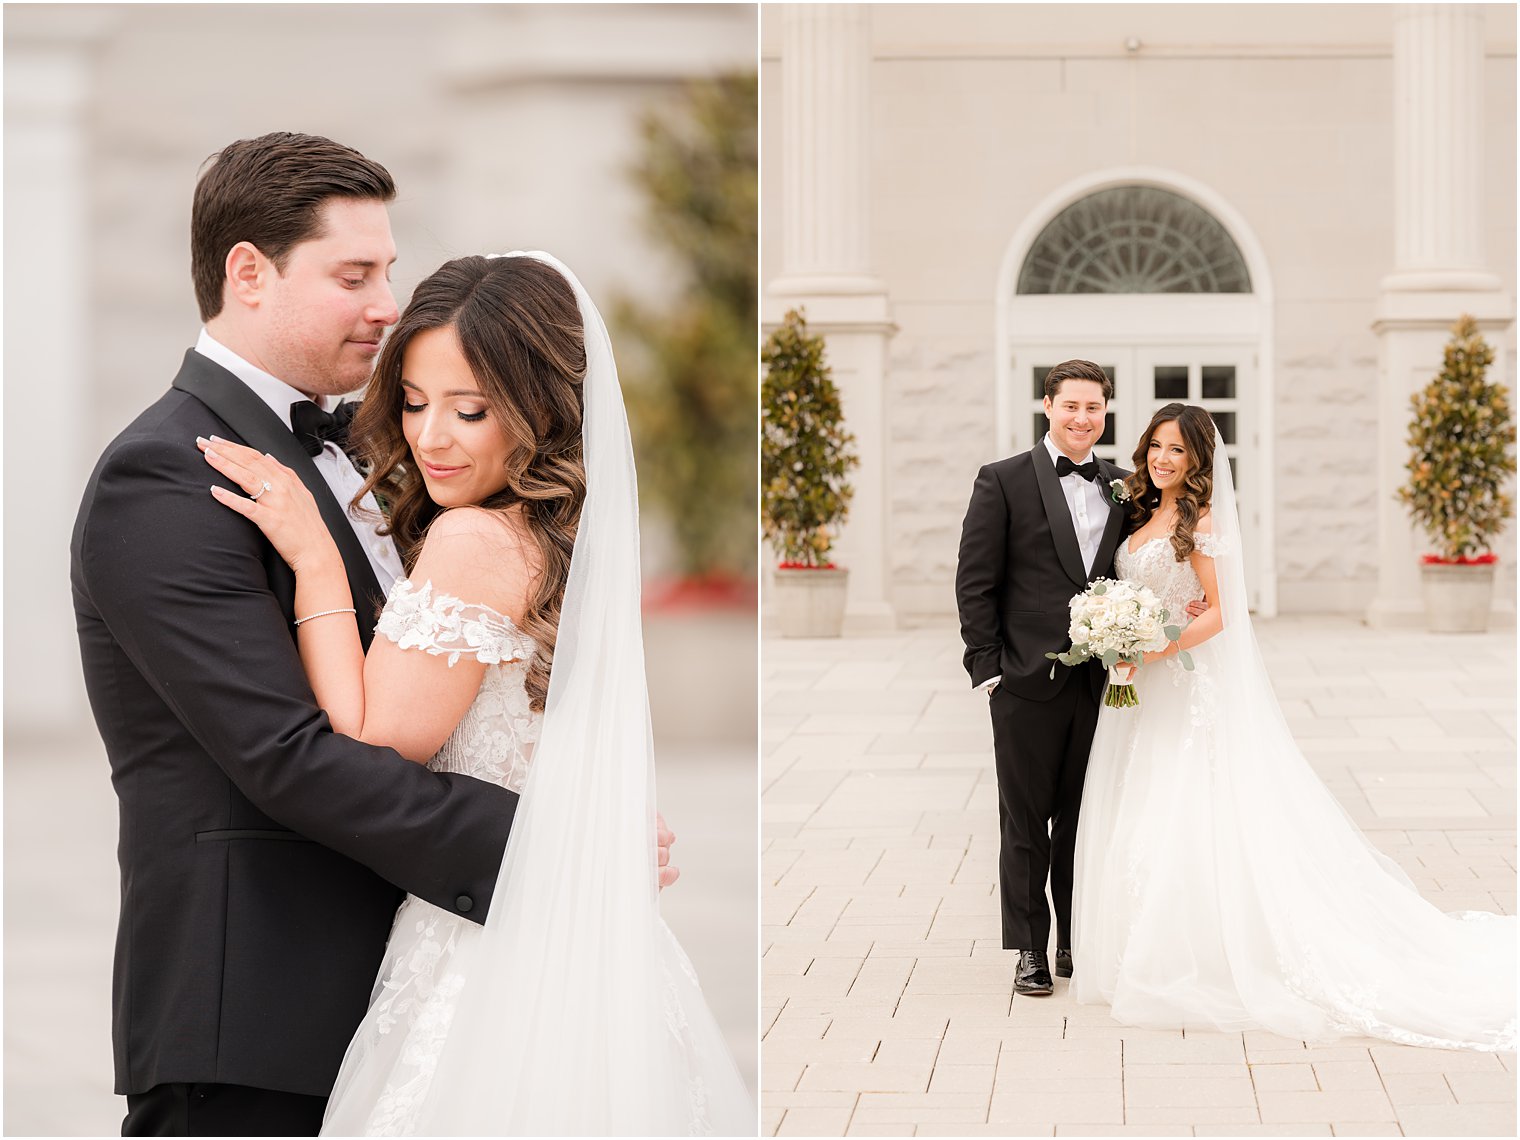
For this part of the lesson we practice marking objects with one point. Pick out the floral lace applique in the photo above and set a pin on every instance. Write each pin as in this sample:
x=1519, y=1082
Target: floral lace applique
x=419, y=999
x=495, y=738
x=1353, y=1010
x=1211, y=545
x=1155, y=565
x=415, y=617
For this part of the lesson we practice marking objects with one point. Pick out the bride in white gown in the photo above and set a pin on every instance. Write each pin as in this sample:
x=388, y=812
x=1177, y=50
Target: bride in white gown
x=1218, y=882
x=514, y=641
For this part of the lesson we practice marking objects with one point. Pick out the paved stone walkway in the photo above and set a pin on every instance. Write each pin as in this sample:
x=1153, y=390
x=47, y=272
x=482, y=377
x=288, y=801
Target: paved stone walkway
x=887, y=1003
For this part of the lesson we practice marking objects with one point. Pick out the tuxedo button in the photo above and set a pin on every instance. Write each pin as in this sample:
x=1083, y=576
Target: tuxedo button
x=464, y=904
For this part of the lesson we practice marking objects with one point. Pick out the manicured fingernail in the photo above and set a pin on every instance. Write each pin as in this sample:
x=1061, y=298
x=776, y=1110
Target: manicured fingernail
x=217, y=439
x=211, y=451
x=201, y=439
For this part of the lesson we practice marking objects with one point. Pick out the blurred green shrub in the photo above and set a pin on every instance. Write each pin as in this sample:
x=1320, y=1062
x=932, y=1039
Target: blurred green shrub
x=692, y=366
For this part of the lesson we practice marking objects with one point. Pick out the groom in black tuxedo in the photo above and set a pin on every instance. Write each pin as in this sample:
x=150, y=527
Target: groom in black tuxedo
x=1041, y=525
x=261, y=854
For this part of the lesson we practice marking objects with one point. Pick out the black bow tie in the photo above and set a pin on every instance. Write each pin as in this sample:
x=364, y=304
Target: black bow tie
x=313, y=427
x=1064, y=467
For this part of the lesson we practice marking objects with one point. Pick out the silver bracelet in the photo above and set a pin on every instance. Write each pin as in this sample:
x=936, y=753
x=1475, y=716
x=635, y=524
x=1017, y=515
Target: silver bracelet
x=325, y=613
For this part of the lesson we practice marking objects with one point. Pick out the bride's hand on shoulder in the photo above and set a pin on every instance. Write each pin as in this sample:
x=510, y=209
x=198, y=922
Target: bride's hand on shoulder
x=276, y=501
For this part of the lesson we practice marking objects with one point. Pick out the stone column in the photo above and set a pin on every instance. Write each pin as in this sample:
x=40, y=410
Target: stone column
x=1439, y=272
x=825, y=171
x=48, y=387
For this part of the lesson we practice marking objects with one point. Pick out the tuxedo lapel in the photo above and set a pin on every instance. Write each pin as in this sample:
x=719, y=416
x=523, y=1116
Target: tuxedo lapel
x=1114, y=530
x=247, y=415
x=1058, y=514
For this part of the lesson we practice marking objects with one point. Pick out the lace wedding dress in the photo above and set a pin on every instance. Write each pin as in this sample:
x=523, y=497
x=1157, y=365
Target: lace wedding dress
x=387, y=1073
x=1220, y=884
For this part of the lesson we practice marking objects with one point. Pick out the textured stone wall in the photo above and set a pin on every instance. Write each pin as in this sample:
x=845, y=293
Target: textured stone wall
x=940, y=406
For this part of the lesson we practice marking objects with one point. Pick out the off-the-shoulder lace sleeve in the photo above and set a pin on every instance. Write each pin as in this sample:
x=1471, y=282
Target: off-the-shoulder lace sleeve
x=1210, y=545
x=418, y=617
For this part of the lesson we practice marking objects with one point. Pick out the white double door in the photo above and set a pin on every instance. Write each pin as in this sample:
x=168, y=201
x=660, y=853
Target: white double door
x=1218, y=377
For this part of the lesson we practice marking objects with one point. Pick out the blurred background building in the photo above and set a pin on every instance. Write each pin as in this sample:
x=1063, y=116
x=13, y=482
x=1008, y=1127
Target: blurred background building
x=1276, y=211
x=506, y=127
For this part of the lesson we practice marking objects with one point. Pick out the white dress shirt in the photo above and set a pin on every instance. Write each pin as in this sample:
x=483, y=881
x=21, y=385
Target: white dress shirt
x=1086, y=501
x=336, y=469
x=1088, y=505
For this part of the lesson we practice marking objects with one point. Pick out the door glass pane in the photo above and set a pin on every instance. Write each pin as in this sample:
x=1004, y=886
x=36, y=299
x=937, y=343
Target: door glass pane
x=1040, y=426
x=1108, y=431
x=1226, y=422
x=1171, y=382
x=1235, y=476
x=1218, y=381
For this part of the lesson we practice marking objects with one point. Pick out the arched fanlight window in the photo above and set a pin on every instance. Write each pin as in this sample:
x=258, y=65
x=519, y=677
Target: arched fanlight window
x=1134, y=239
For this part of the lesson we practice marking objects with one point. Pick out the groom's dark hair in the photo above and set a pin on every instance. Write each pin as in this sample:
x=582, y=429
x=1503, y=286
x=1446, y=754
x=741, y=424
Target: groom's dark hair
x=269, y=191
x=1077, y=370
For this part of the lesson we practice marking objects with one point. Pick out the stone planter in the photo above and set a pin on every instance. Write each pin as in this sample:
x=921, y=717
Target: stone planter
x=811, y=602
x=1458, y=596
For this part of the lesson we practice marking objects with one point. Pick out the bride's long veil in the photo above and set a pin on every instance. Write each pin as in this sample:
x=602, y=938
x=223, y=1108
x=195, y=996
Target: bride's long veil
x=1304, y=897
x=579, y=1015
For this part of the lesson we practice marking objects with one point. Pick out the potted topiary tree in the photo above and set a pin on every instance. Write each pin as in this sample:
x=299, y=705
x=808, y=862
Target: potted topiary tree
x=805, y=456
x=1460, y=462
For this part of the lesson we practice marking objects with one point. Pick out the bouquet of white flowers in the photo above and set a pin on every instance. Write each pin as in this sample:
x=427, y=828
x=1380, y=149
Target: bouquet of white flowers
x=1117, y=621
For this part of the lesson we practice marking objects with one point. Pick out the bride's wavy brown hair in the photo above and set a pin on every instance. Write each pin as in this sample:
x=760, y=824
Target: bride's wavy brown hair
x=520, y=330
x=1197, y=428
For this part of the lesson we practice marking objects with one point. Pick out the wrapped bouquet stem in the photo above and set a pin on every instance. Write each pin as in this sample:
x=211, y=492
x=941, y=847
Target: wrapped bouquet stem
x=1116, y=621
x=1120, y=693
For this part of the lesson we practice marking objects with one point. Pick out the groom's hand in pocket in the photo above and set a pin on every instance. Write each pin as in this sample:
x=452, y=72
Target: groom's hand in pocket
x=1196, y=609
x=664, y=837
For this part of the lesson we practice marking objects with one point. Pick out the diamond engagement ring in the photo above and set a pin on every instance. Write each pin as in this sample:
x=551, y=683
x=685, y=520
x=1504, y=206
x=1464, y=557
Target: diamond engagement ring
x=266, y=485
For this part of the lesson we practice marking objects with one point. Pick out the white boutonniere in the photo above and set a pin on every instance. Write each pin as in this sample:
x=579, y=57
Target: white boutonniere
x=1118, y=491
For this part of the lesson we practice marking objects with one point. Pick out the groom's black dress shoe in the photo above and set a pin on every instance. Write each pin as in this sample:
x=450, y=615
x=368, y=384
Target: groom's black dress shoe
x=1033, y=976
x=1063, y=963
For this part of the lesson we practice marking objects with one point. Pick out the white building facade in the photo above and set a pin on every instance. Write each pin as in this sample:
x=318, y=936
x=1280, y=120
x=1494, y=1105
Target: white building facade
x=1275, y=211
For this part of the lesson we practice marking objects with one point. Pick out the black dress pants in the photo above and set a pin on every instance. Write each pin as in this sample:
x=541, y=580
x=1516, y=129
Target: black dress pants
x=1041, y=752
x=221, y=1110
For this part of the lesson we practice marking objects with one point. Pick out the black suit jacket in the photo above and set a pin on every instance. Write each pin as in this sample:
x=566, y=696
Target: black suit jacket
x=1018, y=570
x=258, y=849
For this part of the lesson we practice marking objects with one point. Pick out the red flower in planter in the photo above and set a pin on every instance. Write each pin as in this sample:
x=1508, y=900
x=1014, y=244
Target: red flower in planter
x=1475, y=560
